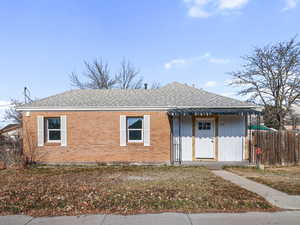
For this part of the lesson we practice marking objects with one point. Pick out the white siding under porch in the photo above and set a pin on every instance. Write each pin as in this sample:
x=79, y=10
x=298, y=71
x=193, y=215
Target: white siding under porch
x=186, y=136
x=230, y=139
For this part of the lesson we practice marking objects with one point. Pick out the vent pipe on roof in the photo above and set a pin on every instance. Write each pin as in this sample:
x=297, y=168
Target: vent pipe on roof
x=146, y=86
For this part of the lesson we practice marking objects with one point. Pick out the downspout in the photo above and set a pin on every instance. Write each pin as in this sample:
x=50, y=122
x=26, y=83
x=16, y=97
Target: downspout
x=250, y=133
x=246, y=139
x=258, y=138
x=180, y=140
x=171, y=118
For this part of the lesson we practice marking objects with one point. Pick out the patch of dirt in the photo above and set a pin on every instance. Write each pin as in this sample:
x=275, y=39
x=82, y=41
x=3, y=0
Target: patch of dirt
x=142, y=178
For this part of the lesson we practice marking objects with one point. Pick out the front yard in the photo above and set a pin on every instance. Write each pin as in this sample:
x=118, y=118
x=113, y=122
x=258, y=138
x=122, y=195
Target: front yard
x=286, y=179
x=121, y=189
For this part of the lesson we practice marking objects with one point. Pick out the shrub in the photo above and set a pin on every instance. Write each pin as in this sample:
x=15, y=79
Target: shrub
x=11, y=152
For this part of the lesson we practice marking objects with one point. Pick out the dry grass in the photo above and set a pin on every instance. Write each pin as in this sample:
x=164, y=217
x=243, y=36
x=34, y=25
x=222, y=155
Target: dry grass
x=121, y=189
x=286, y=179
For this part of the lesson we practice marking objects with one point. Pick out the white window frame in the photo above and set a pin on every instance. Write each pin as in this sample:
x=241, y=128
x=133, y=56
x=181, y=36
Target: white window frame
x=48, y=130
x=140, y=129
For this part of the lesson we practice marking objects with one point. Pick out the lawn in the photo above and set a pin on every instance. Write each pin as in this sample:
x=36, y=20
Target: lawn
x=286, y=179
x=122, y=190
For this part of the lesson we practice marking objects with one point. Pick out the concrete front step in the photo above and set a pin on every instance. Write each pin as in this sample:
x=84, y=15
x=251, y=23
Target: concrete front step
x=215, y=165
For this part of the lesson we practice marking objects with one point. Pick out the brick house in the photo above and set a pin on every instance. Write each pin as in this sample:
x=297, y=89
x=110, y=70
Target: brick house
x=174, y=123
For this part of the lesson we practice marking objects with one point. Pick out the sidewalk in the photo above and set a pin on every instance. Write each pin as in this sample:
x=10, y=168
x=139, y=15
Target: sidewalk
x=253, y=218
x=275, y=197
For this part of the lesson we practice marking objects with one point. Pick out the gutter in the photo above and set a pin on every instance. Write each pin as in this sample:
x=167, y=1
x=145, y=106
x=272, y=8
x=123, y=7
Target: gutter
x=131, y=108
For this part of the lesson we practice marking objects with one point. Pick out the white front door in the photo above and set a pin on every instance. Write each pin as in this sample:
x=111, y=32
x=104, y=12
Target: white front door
x=205, y=138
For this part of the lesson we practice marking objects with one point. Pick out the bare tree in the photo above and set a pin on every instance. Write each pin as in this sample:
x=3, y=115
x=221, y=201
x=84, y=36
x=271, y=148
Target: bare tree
x=97, y=75
x=155, y=85
x=12, y=114
x=128, y=76
x=270, y=117
x=271, y=78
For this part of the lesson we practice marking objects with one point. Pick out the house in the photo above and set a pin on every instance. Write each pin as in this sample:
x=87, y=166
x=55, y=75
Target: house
x=11, y=131
x=175, y=123
x=292, y=120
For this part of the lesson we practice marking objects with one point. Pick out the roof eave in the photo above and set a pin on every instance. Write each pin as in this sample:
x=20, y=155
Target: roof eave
x=125, y=108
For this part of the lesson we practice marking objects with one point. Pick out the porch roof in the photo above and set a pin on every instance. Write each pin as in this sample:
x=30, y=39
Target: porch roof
x=213, y=111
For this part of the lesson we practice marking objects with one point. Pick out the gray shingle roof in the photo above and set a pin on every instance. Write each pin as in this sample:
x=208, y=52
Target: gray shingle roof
x=170, y=96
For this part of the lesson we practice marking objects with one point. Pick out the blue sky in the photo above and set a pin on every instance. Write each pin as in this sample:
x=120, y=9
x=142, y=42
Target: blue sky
x=190, y=41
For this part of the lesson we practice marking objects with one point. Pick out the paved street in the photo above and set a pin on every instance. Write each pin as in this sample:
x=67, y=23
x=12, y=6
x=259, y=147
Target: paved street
x=253, y=218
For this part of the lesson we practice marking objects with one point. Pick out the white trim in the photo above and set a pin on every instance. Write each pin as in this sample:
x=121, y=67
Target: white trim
x=48, y=130
x=146, y=130
x=139, y=129
x=136, y=141
x=214, y=128
x=133, y=108
x=40, y=131
x=123, y=139
x=63, y=130
x=57, y=141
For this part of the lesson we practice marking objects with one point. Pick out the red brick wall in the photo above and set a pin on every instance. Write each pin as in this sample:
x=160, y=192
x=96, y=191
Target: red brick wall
x=94, y=136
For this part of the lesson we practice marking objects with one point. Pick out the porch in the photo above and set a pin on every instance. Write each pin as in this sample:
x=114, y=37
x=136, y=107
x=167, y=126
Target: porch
x=213, y=165
x=210, y=135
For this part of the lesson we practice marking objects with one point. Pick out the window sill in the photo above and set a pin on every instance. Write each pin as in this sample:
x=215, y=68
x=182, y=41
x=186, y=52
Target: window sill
x=135, y=143
x=52, y=144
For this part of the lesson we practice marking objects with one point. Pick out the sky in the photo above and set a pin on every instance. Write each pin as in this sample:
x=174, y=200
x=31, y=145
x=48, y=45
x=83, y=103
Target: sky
x=197, y=42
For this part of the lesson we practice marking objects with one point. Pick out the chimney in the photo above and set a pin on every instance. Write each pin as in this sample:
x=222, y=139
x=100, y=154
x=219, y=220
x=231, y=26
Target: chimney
x=146, y=86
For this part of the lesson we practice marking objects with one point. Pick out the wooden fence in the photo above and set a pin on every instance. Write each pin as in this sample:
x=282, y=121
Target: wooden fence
x=277, y=148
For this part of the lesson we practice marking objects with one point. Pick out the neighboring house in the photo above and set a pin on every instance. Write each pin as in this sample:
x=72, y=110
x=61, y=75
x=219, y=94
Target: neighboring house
x=292, y=121
x=11, y=131
x=170, y=124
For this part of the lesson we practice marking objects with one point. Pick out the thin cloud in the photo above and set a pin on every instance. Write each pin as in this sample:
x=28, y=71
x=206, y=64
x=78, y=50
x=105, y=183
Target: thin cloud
x=290, y=4
x=207, y=8
x=232, y=4
x=174, y=62
x=229, y=94
x=210, y=84
x=205, y=57
x=227, y=82
x=232, y=82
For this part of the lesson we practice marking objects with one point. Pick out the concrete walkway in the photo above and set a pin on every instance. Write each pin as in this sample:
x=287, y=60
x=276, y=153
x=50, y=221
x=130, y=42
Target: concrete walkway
x=275, y=197
x=254, y=218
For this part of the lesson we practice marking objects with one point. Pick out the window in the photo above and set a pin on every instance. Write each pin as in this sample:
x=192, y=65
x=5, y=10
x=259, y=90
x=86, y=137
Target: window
x=204, y=125
x=135, y=129
x=53, y=129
